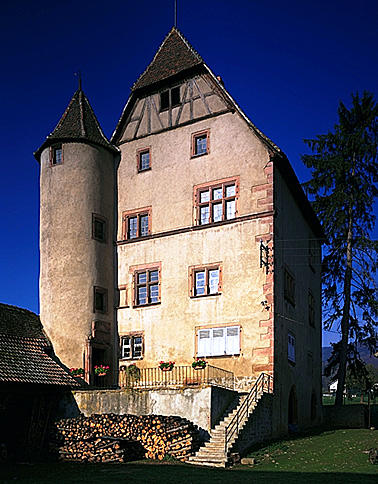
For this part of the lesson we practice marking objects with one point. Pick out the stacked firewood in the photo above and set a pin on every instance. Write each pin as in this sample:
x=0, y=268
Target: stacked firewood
x=120, y=438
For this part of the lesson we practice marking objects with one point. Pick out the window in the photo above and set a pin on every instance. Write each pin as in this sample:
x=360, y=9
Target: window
x=205, y=280
x=200, y=143
x=56, y=155
x=122, y=296
x=146, y=286
x=170, y=98
x=136, y=223
x=216, y=202
x=311, y=309
x=100, y=300
x=144, y=159
x=291, y=347
x=218, y=341
x=132, y=347
x=98, y=228
x=289, y=287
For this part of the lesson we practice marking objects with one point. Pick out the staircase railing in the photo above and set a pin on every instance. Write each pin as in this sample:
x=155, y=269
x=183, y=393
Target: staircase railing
x=264, y=383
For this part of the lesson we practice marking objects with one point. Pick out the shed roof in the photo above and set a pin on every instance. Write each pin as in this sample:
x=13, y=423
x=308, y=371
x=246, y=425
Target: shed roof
x=26, y=353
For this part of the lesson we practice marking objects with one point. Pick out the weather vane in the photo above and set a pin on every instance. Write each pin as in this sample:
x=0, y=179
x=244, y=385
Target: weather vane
x=175, y=19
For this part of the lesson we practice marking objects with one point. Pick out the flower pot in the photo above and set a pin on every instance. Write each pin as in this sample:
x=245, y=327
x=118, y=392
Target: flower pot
x=199, y=367
x=101, y=374
x=167, y=369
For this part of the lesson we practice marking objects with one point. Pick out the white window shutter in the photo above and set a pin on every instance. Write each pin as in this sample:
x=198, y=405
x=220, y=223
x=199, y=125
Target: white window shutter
x=204, y=343
x=233, y=340
x=219, y=341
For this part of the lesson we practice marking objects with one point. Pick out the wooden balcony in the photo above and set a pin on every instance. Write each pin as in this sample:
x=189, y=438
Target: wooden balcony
x=179, y=376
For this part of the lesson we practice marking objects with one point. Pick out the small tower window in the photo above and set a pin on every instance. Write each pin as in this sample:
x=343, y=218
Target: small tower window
x=100, y=300
x=56, y=155
x=98, y=228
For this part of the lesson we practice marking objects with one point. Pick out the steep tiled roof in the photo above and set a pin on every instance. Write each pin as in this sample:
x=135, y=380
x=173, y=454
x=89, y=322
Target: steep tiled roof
x=78, y=123
x=15, y=321
x=25, y=350
x=174, y=56
x=24, y=360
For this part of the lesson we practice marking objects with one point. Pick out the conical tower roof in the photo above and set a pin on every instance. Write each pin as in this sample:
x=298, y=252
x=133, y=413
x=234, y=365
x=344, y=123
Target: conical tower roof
x=78, y=123
x=174, y=55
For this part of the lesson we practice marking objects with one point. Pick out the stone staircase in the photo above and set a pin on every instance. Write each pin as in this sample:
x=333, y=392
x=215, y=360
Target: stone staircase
x=216, y=452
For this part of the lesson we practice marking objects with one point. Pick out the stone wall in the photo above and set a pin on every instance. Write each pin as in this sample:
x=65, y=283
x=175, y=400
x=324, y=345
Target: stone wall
x=204, y=407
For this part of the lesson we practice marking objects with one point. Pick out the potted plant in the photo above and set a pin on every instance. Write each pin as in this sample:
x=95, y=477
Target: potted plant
x=166, y=365
x=79, y=372
x=132, y=371
x=101, y=370
x=199, y=364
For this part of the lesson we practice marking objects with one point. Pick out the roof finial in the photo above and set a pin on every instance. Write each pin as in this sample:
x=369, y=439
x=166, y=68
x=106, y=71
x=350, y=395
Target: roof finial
x=78, y=74
x=175, y=19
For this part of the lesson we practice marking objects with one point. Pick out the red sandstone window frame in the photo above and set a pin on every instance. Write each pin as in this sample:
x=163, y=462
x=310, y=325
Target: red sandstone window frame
x=99, y=218
x=193, y=270
x=97, y=290
x=211, y=186
x=139, y=154
x=138, y=213
x=148, y=269
x=131, y=336
x=195, y=136
x=53, y=154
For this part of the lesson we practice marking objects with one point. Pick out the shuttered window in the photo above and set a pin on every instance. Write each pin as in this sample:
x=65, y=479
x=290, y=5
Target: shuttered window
x=218, y=341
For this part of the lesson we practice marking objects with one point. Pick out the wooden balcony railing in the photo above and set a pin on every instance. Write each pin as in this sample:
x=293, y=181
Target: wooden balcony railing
x=179, y=376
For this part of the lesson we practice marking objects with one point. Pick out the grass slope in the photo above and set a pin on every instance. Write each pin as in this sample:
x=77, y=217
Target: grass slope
x=333, y=456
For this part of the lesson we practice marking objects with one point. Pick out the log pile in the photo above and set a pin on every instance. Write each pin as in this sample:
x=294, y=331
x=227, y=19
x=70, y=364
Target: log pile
x=121, y=438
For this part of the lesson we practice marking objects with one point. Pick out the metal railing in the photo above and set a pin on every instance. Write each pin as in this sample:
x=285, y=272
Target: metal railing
x=264, y=384
x=179, y=376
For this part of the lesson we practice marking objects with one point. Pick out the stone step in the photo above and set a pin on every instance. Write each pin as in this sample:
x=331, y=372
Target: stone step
x=212, y=452
x=216, y=450
x=209, y=458
x=207, y=464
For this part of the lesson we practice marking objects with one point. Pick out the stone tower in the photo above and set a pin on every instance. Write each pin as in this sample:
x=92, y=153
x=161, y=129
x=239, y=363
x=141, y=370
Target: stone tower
x=77, y=226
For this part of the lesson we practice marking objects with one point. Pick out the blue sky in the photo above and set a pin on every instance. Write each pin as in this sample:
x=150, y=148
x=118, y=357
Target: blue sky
x=287, y=64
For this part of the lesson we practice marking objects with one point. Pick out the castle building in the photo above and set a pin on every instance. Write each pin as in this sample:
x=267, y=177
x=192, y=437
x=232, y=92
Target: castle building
x=186, y=235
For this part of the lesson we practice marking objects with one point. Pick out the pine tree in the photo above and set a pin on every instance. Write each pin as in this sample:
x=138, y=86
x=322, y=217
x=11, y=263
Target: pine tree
x=344, y=188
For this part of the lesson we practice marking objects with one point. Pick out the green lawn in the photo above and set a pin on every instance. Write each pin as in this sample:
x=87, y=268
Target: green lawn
x=333, y=456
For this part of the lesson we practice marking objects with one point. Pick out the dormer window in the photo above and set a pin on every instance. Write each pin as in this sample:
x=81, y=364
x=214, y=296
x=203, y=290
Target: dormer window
x=56, y=155
x=170, y=98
